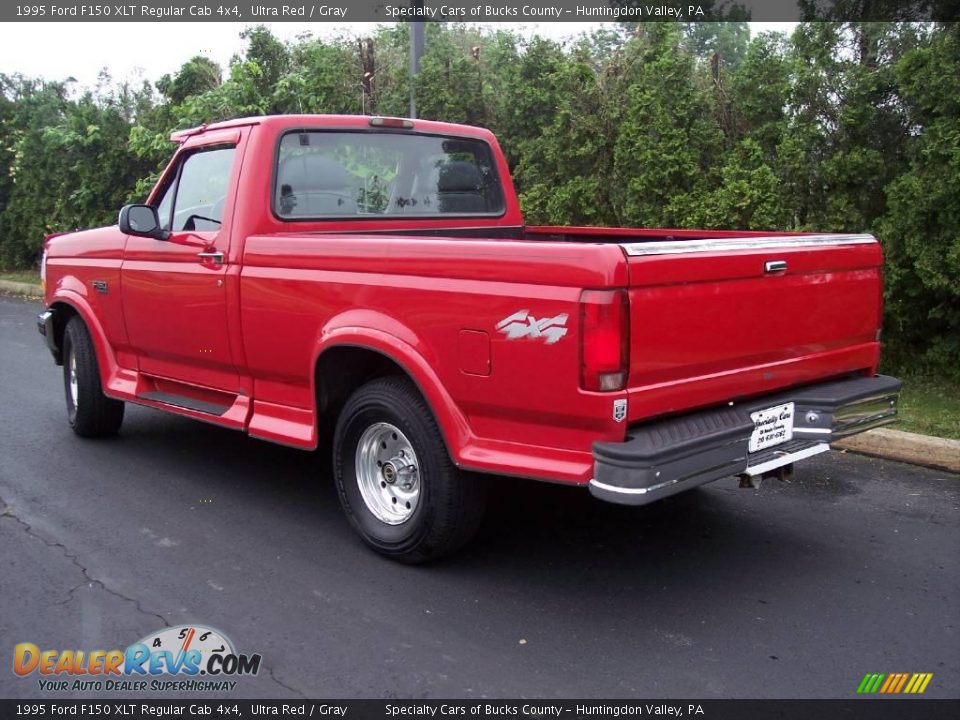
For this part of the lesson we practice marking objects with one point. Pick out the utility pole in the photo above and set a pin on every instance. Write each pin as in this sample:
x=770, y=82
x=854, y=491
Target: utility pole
x=369, y=67
x=417, y=42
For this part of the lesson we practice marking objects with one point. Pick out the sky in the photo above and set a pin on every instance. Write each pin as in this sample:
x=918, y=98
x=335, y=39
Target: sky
x=130, y=51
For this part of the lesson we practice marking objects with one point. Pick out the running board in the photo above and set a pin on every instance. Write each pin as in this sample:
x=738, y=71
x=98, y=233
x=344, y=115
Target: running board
x=188, y=403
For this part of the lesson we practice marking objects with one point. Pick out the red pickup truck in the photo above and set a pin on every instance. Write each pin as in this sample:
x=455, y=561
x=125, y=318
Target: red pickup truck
x=369, y=283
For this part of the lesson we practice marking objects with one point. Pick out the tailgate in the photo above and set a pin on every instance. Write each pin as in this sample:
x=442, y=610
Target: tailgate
x=718, y=320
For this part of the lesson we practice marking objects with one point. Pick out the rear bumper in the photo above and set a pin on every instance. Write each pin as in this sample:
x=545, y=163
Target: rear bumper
x=664, y=457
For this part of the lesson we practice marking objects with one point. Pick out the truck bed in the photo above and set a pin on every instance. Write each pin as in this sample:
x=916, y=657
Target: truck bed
x=718, y=316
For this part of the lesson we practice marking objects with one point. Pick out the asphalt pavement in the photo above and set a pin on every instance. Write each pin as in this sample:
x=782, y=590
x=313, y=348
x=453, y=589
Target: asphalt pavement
x=795, y=590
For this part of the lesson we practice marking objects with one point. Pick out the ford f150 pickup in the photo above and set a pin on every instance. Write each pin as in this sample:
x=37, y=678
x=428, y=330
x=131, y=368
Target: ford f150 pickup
x=368, y=284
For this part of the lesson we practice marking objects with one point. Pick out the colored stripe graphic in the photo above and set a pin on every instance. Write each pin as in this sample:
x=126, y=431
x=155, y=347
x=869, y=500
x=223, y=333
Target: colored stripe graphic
x=903, y=680
x=894, y=683
x=918, y=683
x=870, y=683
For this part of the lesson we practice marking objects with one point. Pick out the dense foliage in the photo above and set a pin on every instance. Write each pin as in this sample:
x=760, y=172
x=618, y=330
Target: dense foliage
x=839, y=127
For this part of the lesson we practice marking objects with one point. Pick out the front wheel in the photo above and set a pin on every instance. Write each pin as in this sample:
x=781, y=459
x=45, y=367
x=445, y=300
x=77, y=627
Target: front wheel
x=90, y=412
x=400, y=490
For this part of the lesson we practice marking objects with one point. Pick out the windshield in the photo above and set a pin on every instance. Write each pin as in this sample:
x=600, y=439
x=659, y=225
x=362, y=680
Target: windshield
x=362, y=174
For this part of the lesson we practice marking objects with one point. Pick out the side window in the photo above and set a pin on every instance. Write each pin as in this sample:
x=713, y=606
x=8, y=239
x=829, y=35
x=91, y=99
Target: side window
x=195, y=199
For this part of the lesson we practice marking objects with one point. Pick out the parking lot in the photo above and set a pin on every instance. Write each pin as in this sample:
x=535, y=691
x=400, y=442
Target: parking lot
x=795, y=590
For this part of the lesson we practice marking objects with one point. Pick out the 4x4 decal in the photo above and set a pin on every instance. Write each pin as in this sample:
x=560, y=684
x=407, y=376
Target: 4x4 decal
x=524, y=325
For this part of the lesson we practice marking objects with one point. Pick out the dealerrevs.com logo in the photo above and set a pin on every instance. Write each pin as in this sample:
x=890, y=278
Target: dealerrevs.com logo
x=177, y=659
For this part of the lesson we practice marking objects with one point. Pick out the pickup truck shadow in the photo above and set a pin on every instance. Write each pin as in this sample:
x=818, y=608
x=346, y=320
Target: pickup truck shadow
x=529, y=525
x=555, y=581
x=564, y=527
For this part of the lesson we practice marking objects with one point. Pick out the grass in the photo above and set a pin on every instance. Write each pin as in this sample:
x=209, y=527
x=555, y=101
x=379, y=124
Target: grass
x=930, y=406
x=21, y=276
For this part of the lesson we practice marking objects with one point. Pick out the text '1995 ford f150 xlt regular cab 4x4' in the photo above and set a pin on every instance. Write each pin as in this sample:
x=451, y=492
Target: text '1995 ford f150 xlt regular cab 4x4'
x=369, y=284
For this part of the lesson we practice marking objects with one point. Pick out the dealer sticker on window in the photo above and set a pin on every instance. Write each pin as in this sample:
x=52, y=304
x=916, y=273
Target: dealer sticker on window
x=771, y=427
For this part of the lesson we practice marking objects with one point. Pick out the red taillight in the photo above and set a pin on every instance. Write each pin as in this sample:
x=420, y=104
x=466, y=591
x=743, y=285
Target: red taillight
x=390, y=122
x=604, y=339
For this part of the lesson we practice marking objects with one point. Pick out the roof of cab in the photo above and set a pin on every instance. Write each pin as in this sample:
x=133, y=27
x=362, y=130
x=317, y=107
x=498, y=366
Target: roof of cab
x=333, y=121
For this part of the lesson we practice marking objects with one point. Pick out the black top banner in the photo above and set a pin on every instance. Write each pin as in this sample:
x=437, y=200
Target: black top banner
x=571, y=11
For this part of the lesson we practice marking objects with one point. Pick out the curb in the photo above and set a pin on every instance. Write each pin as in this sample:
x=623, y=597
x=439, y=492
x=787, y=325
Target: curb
x=19, y=288
x=940, y=453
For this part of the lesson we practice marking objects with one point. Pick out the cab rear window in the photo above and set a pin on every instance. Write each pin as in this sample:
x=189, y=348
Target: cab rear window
x=340, y=175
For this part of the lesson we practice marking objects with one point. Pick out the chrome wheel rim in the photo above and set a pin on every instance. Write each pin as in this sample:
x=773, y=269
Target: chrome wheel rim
x=388, y=473
x=74, y=392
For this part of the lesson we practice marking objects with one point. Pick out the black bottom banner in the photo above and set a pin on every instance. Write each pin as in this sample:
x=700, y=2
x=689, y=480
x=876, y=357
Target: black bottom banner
x=855, y=709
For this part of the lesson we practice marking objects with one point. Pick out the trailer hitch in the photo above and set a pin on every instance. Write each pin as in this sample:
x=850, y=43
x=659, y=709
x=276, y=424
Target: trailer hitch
x=784, y=473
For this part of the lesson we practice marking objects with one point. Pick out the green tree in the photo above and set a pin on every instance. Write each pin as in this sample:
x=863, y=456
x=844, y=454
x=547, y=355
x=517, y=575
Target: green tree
x=921, y=229
x=197, y=75
x=71, y=165
x=670, y=146
x=727, y=41
x=840, y=126
x=33, y=173
x=451, y=83
x=562, y=124
x=269, y=55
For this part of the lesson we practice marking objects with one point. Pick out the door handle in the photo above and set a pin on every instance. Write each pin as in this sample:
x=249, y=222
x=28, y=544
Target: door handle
x=216, y=257
x=772, y=266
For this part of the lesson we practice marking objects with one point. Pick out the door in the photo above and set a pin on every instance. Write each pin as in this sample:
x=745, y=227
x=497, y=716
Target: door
x=174, y=291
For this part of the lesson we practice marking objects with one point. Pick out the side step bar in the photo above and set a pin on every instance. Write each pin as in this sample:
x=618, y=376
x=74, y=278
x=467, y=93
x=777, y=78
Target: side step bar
x=183, y=401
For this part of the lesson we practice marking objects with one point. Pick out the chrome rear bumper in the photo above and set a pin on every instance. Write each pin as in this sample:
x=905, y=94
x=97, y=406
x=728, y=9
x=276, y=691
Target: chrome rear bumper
x=664, y=457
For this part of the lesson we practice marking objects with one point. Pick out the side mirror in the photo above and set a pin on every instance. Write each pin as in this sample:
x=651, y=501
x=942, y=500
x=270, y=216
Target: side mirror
x=142, y=220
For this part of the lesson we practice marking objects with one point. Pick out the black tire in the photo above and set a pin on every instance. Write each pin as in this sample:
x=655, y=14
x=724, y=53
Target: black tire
x=93, y=414
x=450, y=503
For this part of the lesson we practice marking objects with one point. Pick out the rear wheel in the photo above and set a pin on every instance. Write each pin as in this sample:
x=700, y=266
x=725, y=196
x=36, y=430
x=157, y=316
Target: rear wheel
x=400, y=490
x=90, y=412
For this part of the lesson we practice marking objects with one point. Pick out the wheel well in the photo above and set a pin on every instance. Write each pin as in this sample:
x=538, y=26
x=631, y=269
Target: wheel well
x=340, y=371
x=64, y=311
